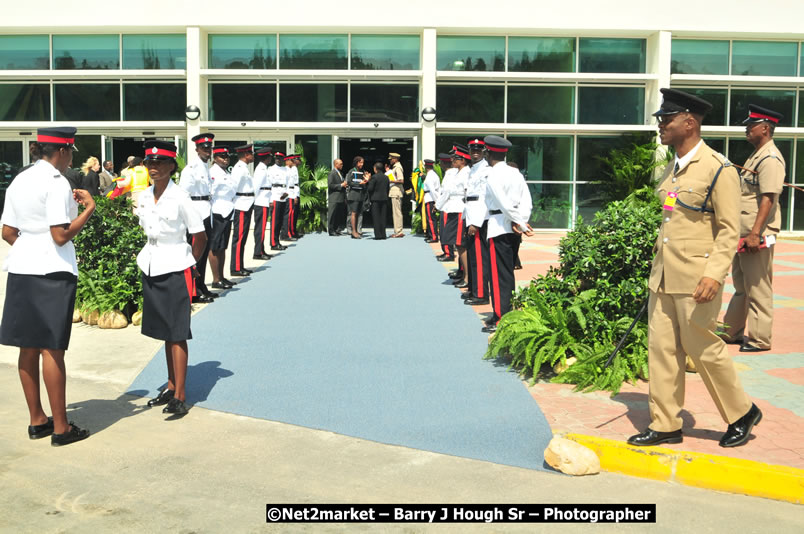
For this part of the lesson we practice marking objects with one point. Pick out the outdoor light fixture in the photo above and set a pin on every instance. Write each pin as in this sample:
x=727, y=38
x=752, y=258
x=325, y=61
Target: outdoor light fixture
x=192, y=112
x=429, y=114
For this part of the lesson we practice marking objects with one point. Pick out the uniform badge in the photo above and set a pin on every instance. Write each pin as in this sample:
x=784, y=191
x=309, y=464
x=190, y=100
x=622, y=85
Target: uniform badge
x=670, y=201
x=154, y=150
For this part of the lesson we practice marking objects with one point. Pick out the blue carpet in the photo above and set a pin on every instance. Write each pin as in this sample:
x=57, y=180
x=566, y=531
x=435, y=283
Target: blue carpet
x=361, y=338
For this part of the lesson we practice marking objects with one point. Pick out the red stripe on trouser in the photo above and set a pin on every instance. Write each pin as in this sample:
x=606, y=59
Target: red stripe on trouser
x=273, y=224
x=495, y=281
x=479, y=268
x=443, y=228
x=292, y=220
x=458, y=238
x=430, y=221
x=264, y=222
x=238, y=258
x=194, y=291
x=189, y=281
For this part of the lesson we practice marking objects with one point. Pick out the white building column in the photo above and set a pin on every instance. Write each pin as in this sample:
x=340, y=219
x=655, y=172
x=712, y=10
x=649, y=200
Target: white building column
x=428, y=92
x=659, y=49
x=194, y=86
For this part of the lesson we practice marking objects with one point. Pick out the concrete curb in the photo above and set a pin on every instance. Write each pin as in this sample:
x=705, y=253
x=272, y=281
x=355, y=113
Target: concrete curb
x=707, y=471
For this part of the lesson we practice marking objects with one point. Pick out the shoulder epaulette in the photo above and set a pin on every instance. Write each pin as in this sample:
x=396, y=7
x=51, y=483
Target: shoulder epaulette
x=723, y=160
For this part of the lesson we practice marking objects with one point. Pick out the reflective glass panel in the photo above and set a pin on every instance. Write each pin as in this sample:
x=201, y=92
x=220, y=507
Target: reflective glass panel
x=552, y=205
x=24, y=102
x=246, y=51
x=24, y=52
x=611, y=55
x=86, y=52
x=740, y=150
x=718, y=144
x=154, y=51
x=154, y=101
x=470, y=103
x=470, y=53
x=88, y=145
x=86, y=102
x=242, y=102
x=542, y=157
x=798, y=212
x=758, y=58
x=317, y=150
x=384, y=103
x=783, y=102
x=717, y=97
x=312, y=52
x=541, y=54
x=10, y=164
x=385, y=52
x=695, y=56
x=799, y=178
x=312, y=102
x=611, y=105
x=444, y=143
x=541, y=104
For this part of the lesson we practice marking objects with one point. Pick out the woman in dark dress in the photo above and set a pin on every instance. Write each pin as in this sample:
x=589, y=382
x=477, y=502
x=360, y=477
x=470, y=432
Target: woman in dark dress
x=91, y=179
x=356, y=179
x=378, y=187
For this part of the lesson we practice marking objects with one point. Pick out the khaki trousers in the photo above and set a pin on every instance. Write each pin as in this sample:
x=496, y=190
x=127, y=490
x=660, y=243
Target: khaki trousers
x=751, y=307
x=677, y=327
x=396, y=210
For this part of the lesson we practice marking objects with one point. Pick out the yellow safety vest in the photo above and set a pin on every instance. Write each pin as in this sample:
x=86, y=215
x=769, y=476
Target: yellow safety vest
x=140, y=180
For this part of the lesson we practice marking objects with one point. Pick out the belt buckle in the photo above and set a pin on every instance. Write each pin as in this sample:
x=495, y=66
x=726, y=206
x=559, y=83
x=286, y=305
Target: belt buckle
x=152, y=241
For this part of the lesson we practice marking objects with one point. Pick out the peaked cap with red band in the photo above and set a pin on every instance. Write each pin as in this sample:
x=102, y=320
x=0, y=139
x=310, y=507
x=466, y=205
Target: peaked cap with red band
x=156, y=149
x=279, y=154
x=475, y=142
x=293, y=156
x=64, y=135
x=203, y=140
x=221, y=150
x=264, y=151
x=495, y=143
x=444, y=157
x=460, y=151
x=759, y=114
x=244, y=148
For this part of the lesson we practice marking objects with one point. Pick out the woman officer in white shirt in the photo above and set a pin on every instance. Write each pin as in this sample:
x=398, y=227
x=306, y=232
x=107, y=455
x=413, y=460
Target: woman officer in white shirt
x=167, y=215
x=40, y=219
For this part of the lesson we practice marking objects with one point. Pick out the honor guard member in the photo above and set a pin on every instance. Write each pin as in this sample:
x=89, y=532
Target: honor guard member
x=509, y=204
x=477, y=215
x=762, y=179
x=446, y=180
x=223, y=191
x=242, y=209
x=460, y=158
x=396, y=194
x=195, y=180
x=432, y=190
x=166, y=215
x=262, y=200
x=289, y=221
x=279, y=198
x=697, y=240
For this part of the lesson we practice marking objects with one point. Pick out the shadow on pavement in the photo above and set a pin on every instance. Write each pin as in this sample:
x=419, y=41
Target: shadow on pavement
x=99, y=414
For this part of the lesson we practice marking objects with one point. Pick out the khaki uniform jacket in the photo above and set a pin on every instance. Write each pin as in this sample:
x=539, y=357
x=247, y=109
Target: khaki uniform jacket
x=396, y=189
x=692, y=244
x=770, y=179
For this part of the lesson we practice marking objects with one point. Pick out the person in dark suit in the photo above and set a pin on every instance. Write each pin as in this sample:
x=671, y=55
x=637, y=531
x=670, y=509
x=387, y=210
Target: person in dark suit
x=378, y=187
x=356, y=183
x=337, y=198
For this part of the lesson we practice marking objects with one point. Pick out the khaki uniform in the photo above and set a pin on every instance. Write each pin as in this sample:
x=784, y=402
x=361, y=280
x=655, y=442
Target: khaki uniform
x=692, y=245
x=751, y=306
x=395, y=194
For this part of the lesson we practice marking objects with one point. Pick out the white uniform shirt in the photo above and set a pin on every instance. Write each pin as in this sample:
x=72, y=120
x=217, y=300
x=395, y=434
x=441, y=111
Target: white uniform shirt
x=453, y=191
x=279, y=181
x=166, y=224
x=443, y=194
x=431, y=186
x=293, y=182
x=262, y=185
x=195, y=180
x=476, y=211
x=38, y=198
x=507, y=192
x=223, y=191
x=244, y=185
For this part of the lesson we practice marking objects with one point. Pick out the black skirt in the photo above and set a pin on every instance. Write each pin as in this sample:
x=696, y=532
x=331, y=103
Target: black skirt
x=221, y=229
x=38, y=312
x=453, y=232
x=166, y=306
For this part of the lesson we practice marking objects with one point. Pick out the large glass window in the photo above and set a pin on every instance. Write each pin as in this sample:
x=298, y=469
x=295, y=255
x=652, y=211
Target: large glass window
x=718, y=99
x=740, y=150
x=154, y=51
x=611, y=105
x=86, y=102
x=541, y=54
x=470, y=53
x=470, y=103
x=312, y=102
x=154, y=101
x=384, y=103
x=87, y=145
x=695, y=56
x=24, y=102
x=10, y=164
x=758, y=58
x=24, y=52
x=798, y=212
x=611, y=55
x=799, y=178
x=242, y=102
x=385, y=52
x=552, y=205
x=781, y=101
x=312, y=51
x=540, y=104
x=317, y=150
x=244, y=51
x=546, y=158
x=86, y=52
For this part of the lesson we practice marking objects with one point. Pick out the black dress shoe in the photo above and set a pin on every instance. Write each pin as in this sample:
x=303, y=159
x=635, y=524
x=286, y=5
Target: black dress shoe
x=489, y=329
x=357, y=236
x=239, y=273
x=210, y=294
x=456, y=274
x=739, y=431
x=220, y=285
x=467, y=295
x=164, y=396
x=517, y=267
x=262, y=256
x=202, y=299
x=461, y=285
x=441, y=256
x=491, y=320
x=73, y=435
x=651, y=437
x=474, y=301
x=41, y=431
x=175, y=407
x=748, y=347
x=446, y=258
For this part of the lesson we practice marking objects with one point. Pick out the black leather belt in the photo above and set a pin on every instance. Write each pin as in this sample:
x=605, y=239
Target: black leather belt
x=200, y=198
x=278, y=185
x=245, y=194
x=472, y=199
x=265, y=188
x=495, y=212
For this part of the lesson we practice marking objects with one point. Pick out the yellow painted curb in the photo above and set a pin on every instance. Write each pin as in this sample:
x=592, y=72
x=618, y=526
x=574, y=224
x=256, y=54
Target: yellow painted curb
x=708, y=471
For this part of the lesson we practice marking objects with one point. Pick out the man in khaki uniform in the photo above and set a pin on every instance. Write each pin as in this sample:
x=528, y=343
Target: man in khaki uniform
x=697, y=240
x=396, y=193
x=762, y=178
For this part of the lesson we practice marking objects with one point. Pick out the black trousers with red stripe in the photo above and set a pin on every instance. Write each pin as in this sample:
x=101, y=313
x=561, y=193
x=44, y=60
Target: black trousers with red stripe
x=240, y=226
x=201, y=265
x=277, y=214
x=501, y=256
x=289, y=221
x=261, y=215
x=477, y=251
x=429, y=212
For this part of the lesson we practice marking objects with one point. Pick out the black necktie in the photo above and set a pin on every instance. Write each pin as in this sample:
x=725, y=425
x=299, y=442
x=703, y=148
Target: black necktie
x=675, y=170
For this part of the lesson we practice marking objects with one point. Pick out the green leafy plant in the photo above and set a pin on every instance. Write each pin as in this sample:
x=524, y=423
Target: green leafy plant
x=312, y=196
x=628, y=169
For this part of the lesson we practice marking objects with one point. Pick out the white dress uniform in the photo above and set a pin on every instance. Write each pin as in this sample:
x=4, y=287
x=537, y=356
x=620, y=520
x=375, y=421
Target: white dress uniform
x=242, y=217
x=223, y=190
x=196, y=181
x=476, y=214
x=262, y=206
x=432, y=190
x=289, y=223
x=451, y=204
x=279, y=182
